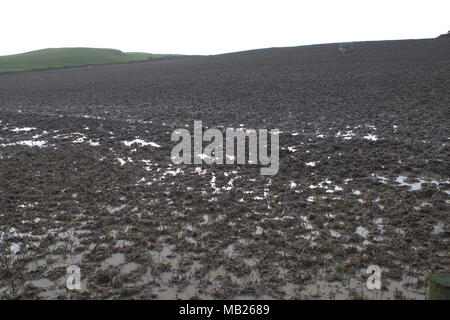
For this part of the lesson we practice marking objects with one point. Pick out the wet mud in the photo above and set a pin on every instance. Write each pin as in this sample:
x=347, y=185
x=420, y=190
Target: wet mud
x=86, y=176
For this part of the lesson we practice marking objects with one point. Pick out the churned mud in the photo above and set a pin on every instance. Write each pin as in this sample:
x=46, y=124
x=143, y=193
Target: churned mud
x=86, y=176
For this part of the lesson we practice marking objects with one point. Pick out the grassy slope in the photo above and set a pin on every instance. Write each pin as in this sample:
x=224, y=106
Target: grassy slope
x=69, y=57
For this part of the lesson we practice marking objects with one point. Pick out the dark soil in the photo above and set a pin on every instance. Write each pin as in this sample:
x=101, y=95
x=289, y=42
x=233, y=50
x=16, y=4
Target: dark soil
x=375, y=123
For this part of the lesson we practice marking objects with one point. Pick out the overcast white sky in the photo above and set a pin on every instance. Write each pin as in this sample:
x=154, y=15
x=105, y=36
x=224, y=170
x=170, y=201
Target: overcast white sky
x=210, y=26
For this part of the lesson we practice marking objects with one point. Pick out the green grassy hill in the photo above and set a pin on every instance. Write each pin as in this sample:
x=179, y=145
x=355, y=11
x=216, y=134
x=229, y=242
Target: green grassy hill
x=69, y=57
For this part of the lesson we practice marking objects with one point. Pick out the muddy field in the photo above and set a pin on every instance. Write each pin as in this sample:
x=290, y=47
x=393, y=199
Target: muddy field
x=86, y=176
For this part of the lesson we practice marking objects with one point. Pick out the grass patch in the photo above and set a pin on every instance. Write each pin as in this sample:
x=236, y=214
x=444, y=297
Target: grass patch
x=70, y=57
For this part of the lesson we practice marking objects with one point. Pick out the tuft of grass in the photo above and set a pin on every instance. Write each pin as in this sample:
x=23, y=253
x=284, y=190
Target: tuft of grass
x=53, y=58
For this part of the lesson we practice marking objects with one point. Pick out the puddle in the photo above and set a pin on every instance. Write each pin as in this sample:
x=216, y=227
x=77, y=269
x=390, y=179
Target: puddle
x=413, y=186
x=335, y=234
x=115, y=260
x=141, y=143
x=42, y=283
x=25, y=129
x=371, y=137
x=362, y=232
x=438, y=228
x=128, y=268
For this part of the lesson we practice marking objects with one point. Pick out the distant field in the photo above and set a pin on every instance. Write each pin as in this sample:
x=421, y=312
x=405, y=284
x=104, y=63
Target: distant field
x=70, y=57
